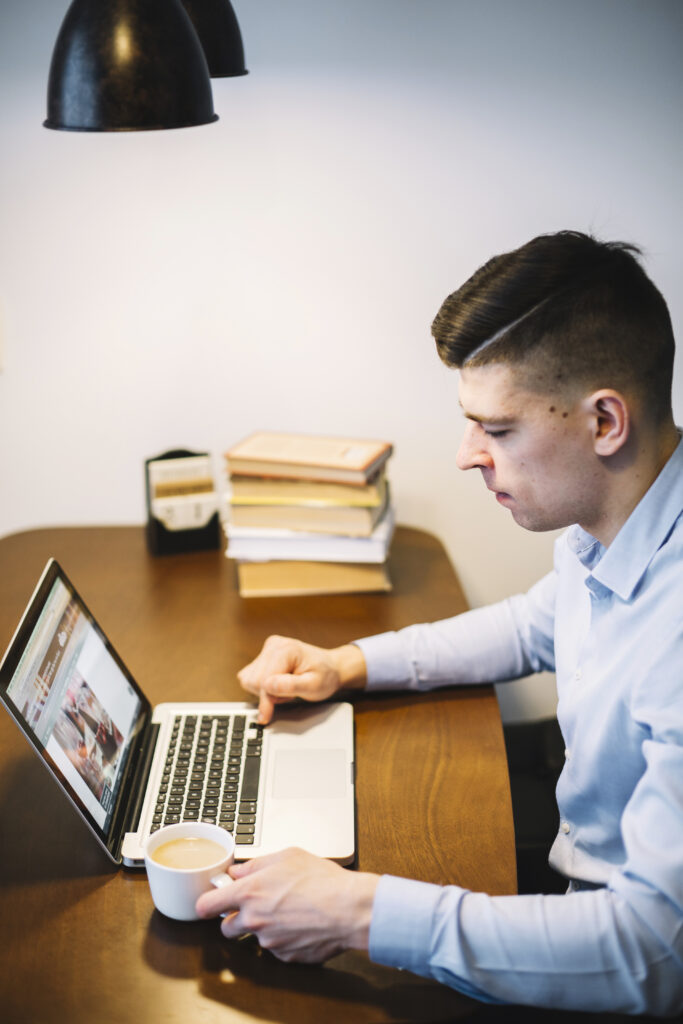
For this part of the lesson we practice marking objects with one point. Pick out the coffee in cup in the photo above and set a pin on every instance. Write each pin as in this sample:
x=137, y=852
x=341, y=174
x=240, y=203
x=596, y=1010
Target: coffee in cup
x=188, y=852
x=185, y=860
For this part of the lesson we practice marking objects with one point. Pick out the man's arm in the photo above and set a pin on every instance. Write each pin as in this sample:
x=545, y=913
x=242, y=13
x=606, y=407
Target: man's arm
x=502, y=641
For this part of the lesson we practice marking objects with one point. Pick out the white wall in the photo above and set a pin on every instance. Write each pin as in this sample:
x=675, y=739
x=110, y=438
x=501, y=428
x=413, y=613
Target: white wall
x=281, y=268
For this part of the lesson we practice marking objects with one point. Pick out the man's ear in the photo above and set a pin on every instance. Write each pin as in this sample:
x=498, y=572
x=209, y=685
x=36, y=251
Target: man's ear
x=610, y=421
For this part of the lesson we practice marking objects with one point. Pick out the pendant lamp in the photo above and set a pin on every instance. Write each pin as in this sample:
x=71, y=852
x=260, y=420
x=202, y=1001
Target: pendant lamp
x=128, y=65
x=219, y=33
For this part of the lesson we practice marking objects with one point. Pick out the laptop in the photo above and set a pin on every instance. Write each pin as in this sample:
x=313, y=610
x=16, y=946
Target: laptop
x=128, y=768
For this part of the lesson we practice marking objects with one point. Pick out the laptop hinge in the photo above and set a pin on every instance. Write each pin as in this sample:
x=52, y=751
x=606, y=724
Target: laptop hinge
x=130, y=815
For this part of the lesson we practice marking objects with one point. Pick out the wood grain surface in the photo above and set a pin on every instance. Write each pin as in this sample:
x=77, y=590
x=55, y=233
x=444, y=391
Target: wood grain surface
x=82, y=941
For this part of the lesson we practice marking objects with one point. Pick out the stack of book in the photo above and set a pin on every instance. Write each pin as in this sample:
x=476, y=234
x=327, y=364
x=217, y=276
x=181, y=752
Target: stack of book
x=308, y=514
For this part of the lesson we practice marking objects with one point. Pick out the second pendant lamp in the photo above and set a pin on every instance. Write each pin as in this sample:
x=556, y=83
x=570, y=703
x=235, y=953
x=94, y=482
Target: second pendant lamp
x=219, y=33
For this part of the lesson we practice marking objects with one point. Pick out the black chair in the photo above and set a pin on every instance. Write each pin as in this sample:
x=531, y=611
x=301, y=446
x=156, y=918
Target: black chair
x=535, y=753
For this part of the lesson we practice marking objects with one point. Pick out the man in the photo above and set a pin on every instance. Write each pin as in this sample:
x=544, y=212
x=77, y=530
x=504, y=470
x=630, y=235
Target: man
x=565, y=352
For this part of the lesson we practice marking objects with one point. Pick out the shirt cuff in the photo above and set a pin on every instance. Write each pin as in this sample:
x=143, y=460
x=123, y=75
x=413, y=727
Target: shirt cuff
x=385, y=662
x=408, y=919
x=402, y=923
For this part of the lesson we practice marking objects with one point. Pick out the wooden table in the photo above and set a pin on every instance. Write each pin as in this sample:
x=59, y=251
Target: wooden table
x=82, y=942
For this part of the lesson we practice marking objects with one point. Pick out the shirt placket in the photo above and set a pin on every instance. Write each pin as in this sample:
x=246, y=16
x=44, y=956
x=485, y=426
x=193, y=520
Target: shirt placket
x=581, y=682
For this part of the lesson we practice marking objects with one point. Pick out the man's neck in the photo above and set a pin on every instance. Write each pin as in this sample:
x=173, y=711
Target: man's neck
x=629, y=478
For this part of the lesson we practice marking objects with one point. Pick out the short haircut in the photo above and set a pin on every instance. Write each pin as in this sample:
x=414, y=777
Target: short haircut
x=570, y=313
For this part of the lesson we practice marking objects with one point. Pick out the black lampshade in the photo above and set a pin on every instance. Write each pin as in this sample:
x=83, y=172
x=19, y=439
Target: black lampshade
x=219, y=33
x=128, y=65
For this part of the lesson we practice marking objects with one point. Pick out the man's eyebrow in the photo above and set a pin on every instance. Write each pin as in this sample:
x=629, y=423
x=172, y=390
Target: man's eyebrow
x=500, y=421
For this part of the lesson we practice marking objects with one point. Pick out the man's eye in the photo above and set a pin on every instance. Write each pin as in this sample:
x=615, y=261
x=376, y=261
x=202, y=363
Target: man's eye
x=496, y=433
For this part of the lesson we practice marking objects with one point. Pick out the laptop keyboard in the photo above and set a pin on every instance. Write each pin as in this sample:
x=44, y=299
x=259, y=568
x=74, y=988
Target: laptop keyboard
x=212, y=774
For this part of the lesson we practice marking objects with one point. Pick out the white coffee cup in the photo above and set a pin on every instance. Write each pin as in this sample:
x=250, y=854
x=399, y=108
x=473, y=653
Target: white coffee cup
x=175, y=890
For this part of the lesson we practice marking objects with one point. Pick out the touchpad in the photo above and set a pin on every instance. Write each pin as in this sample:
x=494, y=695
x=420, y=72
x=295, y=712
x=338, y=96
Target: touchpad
x=310, y=774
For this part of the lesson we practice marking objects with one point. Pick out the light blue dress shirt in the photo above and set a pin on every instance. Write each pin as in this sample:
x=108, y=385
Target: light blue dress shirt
x=609, y=623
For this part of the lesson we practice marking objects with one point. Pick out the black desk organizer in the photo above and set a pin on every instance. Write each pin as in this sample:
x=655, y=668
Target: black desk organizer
x=161, y=540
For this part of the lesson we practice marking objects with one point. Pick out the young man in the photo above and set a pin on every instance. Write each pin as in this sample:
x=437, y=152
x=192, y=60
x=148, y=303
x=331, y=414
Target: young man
x=565, y=352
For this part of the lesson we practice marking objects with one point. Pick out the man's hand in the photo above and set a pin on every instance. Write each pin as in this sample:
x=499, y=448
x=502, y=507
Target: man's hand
x=299, y=907
x=287, y=668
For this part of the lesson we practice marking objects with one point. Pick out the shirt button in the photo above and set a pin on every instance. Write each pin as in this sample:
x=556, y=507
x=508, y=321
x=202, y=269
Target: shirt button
x=578, y=674
x=565, y=827
x=567, y=754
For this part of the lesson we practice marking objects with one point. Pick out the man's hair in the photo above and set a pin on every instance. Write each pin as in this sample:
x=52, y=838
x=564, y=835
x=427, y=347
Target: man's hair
x=569, y=312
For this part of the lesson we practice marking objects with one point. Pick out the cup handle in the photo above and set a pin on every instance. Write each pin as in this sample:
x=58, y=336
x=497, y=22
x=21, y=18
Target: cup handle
x=220, y=880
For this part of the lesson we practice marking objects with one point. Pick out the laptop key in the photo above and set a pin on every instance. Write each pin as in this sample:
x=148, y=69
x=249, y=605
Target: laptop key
x=252, y=771
x=242, y=840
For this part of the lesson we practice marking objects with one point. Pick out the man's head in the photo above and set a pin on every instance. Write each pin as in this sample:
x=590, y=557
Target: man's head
x=566, y=354
x=570, y=315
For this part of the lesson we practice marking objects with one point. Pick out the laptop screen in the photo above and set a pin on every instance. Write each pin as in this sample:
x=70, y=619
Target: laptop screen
x=74, y=699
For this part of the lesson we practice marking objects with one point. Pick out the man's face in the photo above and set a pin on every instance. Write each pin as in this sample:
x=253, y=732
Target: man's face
x=535, y=452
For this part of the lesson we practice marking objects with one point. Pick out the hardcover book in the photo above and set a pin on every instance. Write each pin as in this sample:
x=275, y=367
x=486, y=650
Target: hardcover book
x=257, y=490
x=289, y=579
x=262, y=545
x=308, y=456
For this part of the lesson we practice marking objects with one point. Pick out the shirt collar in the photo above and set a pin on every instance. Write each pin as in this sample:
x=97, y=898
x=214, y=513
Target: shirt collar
x=621, y=566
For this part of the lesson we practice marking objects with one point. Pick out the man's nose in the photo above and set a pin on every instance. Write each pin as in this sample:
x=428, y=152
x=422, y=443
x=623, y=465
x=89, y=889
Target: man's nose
x=472, y=453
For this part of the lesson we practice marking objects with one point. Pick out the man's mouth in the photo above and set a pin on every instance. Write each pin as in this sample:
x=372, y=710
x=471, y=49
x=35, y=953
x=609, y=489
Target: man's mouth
x=501, y=496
